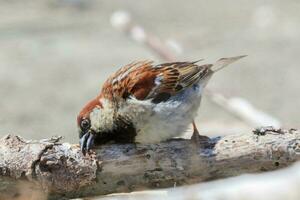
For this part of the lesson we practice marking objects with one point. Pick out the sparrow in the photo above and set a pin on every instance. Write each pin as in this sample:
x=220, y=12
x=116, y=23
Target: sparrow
x=146, y=103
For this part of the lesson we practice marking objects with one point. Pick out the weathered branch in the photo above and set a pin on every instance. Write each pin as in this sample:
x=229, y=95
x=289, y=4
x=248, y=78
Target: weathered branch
x=277, y=185
x=62, y=170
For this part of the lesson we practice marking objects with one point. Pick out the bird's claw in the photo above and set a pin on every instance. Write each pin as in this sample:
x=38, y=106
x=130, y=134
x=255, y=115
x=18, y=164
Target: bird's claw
x=87, y=142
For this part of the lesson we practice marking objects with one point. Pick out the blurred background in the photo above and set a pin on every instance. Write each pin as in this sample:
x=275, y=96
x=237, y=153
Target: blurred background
x=56, y=54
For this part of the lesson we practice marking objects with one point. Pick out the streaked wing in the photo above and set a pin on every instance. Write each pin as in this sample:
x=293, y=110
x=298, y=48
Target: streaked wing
x=143, y=80
x=133, y=79
x=177, y=76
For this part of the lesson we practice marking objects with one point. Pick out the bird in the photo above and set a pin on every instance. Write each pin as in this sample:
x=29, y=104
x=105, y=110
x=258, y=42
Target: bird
x=143, y=102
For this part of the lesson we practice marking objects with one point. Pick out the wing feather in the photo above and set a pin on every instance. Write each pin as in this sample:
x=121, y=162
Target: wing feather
x=143, y=80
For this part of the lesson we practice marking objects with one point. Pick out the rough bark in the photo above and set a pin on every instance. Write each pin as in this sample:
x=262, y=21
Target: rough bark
x=61, y=170
x=278, y=185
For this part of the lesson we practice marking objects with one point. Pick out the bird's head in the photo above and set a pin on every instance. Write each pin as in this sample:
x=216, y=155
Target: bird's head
x=93, y=121
x=84, y=123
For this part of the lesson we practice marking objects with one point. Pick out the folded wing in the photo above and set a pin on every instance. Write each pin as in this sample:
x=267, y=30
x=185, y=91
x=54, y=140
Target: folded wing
x=143, y=80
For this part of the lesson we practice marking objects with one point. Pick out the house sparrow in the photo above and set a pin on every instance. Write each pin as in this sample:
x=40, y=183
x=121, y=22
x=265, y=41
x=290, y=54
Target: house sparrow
x=146, y=103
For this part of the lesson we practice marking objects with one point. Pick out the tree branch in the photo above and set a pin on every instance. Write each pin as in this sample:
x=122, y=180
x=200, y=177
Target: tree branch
x=276, y=185
x=62, y=170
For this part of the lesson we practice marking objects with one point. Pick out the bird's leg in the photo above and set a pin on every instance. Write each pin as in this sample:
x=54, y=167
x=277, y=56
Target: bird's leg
x=196, y=137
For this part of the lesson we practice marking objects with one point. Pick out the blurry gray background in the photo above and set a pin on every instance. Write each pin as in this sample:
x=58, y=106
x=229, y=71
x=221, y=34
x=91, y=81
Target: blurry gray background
x=55, y=55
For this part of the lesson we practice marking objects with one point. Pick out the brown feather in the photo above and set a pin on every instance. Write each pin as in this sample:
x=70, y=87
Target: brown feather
x=139, y=79
x=84, y=113
x=143, y=80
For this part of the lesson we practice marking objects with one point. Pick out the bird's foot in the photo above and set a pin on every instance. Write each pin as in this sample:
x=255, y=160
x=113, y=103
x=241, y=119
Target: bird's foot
x=198, y=139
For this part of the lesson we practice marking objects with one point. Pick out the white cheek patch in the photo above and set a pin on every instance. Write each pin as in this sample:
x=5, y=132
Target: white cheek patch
x=95, y=118
x=102, y=118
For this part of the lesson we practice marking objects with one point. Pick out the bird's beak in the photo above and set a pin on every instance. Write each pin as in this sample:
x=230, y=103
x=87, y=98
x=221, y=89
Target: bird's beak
x=87, y=141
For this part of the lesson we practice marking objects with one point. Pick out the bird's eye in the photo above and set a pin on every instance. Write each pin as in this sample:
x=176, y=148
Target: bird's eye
x=85, y=124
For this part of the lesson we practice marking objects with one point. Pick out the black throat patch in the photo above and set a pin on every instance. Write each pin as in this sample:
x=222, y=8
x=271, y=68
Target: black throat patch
x=124, y=132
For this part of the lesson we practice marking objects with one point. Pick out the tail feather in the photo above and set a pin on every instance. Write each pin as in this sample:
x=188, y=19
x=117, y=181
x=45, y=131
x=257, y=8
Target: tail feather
x=223, y=62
